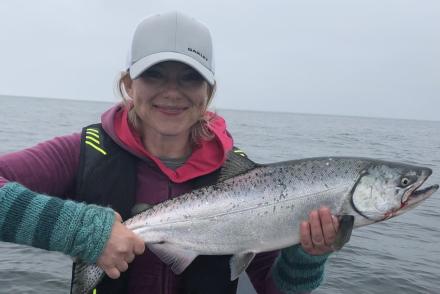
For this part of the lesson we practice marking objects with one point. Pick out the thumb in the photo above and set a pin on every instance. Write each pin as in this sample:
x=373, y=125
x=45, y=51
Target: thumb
x=139, y=245
x=335, y=223
x=118, y=217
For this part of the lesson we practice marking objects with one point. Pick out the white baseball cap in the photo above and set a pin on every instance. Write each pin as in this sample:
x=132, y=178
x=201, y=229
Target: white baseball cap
x=171, y=36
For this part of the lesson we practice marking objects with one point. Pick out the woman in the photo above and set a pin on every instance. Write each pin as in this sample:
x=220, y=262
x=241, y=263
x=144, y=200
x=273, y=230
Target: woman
x=160, y=143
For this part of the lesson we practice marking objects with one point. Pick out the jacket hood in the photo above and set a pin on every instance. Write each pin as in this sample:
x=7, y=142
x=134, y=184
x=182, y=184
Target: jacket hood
x=205, y=158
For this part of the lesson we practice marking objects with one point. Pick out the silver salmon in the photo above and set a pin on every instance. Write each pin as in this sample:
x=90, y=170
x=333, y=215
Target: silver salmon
x=255, y=208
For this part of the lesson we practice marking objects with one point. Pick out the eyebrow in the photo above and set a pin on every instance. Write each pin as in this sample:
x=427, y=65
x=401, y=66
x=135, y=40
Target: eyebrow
x=160, y=65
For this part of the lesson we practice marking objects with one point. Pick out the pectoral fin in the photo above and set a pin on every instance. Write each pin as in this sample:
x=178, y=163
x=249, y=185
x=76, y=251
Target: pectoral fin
x=179, y=259
x=344, y=233
x=239, y=263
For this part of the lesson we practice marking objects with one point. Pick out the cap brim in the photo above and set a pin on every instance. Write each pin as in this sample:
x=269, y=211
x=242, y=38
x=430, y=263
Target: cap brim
x=143, y=64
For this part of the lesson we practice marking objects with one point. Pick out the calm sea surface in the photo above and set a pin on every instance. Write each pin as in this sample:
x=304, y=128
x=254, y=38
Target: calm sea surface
x=401, y=255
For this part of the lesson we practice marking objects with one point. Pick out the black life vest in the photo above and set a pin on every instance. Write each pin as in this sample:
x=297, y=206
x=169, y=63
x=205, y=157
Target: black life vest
x=107, y=172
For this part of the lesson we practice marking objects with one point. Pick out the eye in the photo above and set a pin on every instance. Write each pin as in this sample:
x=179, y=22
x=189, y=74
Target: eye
x=192, y=76
x=405, y=182
x=152, y=74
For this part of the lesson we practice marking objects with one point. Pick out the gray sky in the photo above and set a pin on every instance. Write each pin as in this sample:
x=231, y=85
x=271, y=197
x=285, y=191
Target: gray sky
x=367, y=57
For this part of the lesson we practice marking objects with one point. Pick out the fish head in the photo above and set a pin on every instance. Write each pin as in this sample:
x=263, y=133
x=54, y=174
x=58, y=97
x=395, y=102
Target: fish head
x=385, y=189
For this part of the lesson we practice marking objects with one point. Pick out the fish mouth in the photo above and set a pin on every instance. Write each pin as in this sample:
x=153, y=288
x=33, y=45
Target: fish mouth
x=415, y=198
x=419, y=195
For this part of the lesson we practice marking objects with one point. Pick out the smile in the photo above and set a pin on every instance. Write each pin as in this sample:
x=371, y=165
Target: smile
x=170, y=110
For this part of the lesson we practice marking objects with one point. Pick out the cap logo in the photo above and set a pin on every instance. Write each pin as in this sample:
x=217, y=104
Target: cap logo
x=198, y=53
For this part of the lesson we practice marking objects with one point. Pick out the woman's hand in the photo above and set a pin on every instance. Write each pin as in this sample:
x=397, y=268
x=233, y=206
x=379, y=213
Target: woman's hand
x=120, y=250
x=319, y=233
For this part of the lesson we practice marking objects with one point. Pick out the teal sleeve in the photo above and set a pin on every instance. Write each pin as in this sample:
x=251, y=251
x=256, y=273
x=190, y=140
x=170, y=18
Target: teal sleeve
x=50, y=223
x=295, y=271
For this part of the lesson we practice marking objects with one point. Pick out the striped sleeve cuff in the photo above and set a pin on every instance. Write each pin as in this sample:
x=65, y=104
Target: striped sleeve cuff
x=51, y=223
x=82, y=230
x=17, y=223
x=295, y=271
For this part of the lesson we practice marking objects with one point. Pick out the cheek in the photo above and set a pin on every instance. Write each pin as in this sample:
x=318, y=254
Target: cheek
x=200, y=96
x=138, y=104
x=201, y=99
x=198, y=100
x=201, y=108
x=142, y=90
x=141, y=105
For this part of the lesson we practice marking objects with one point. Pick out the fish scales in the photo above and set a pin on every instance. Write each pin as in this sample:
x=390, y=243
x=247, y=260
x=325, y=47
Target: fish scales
x=244, y=204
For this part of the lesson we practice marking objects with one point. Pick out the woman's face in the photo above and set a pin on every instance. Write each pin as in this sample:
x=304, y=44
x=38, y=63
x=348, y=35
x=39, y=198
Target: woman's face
x=169, y=98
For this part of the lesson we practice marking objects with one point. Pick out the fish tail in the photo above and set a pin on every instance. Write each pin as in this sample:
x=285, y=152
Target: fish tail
x=85, y=278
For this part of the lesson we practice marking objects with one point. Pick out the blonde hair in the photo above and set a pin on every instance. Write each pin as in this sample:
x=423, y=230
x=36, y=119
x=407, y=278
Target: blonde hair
x=199, y=131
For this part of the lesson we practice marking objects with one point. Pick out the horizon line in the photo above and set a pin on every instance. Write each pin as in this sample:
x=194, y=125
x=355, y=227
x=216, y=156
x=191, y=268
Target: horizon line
x=235, y=109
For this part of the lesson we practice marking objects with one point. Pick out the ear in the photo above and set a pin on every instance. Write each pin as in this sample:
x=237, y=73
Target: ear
x=211, y=92
x=128, y=84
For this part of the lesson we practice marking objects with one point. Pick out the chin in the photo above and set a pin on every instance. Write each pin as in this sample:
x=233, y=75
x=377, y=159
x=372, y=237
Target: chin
x=174, y=132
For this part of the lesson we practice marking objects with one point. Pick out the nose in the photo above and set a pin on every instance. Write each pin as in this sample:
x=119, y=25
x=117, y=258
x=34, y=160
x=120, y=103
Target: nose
x=172, y=82
x=171, y=88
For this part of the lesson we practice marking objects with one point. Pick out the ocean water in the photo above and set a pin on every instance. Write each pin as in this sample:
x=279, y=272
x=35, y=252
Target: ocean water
x=401, y=255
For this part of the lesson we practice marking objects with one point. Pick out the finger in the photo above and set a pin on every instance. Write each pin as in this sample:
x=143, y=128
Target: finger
x=118, y=217
x=335, y=223
x=306, y=237
x=112, y=272
x=316, y=229
x=129, y=257
x=328, y=229
x=122, y=266
x=139, y=246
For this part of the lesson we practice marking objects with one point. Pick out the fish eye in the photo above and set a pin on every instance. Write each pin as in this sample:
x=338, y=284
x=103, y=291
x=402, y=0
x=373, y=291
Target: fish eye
x=405, y=181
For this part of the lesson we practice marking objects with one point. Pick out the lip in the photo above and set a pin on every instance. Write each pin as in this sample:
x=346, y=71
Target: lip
x=416, y=197
x=170, y=110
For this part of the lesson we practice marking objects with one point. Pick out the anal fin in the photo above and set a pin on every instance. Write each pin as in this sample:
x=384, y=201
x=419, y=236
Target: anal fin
x=179, y=259
x=239, y=263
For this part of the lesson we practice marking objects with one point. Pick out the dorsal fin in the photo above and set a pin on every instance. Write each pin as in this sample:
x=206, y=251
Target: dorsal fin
x=140, y=207
x=236, y=163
